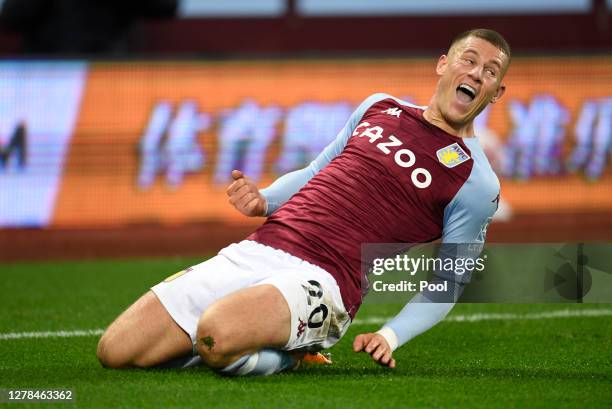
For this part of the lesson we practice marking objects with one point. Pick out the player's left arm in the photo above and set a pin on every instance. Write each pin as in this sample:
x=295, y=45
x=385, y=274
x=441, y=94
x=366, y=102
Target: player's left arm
x=465, y=222
x=289, y=184
x=251, y=201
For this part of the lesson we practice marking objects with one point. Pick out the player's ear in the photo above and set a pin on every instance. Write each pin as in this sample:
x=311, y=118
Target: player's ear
x=500, y=91
x=442, y=64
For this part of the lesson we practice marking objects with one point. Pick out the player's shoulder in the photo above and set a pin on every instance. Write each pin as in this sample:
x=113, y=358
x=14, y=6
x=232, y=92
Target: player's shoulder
x=482, y=172
x=480, y=192
x=389, y=112
x=382, y=96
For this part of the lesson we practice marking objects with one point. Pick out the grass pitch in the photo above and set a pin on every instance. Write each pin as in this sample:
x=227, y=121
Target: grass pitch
x=536, y=363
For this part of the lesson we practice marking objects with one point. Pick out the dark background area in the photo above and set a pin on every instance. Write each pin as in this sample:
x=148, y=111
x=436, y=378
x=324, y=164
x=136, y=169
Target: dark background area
x=154, y=33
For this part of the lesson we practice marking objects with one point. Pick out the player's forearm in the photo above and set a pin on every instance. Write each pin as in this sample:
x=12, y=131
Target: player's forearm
x=423, y=312
x=414, y=319
x=284, y=187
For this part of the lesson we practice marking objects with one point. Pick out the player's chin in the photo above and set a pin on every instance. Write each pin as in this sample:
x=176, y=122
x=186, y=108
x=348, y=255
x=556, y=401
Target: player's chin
x=465, y=113
x=458, y=116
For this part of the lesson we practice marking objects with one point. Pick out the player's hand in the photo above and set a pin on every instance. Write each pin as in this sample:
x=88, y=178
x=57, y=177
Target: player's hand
x=375, y=345
x=244, y=195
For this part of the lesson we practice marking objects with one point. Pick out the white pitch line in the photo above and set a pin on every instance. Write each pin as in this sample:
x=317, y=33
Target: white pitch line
x=366, y=321
x=52, y=334
x=503, y=316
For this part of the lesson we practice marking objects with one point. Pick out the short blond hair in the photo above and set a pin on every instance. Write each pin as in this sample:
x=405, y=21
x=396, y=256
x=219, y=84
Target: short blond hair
x=490, y=36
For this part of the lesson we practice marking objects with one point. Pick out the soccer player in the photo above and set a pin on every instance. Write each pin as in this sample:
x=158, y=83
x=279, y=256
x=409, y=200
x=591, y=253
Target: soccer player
x=396, y=173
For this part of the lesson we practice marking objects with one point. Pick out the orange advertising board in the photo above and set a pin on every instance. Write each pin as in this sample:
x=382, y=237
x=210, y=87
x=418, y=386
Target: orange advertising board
x=131, y=110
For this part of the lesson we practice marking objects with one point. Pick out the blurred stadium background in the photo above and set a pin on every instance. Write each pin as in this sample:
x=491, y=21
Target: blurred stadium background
x=120, y=121
x=120, y=142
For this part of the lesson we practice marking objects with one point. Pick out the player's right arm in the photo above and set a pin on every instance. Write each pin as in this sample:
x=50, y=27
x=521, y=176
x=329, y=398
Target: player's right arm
x=250, y=201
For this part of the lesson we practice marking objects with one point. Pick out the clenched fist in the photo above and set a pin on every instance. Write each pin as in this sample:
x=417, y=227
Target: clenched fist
x=375, y=345
x=244, y=196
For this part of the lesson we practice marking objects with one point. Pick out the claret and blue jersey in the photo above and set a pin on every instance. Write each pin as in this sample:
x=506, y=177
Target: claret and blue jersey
x=389, y=177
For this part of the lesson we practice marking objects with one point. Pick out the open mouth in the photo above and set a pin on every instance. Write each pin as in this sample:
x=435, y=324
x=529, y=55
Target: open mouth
x=465, y=93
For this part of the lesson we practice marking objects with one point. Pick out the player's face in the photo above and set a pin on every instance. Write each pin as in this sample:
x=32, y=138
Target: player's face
x=470, y=78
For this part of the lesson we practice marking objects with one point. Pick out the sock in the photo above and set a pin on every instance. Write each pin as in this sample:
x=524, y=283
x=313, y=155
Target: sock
x=262, y=363
x=182, y=362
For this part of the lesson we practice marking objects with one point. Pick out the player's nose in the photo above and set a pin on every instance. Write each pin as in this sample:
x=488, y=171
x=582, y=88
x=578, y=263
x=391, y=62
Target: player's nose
x=476, y=73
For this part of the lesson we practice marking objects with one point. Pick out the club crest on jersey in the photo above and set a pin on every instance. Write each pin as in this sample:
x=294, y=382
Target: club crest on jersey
x=452, y=155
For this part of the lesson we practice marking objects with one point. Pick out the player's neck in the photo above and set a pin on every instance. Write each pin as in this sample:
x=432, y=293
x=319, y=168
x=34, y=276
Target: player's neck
x=434, y=117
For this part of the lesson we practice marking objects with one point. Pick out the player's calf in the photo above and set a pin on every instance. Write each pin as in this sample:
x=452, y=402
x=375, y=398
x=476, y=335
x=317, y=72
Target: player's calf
x=261, y=363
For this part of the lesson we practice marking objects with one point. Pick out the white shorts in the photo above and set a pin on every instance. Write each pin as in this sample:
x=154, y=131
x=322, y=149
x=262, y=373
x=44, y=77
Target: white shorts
x=318, y=316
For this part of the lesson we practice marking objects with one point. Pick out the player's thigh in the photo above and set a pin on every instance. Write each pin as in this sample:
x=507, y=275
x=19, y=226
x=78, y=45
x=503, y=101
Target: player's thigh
x=187, y=294
x=143, y=335
x=243, y=322
x=297, y=309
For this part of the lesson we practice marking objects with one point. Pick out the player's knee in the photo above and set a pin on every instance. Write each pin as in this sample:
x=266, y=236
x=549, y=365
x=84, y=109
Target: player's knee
x=213, y=342
x=112, y=353
x=108, y=354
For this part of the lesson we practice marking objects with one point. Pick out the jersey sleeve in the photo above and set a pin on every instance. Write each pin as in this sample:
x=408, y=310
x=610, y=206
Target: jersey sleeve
x=467, y=217
x=289, y=184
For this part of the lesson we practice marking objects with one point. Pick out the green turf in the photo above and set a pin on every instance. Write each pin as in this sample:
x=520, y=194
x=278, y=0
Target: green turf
x=553, y=363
